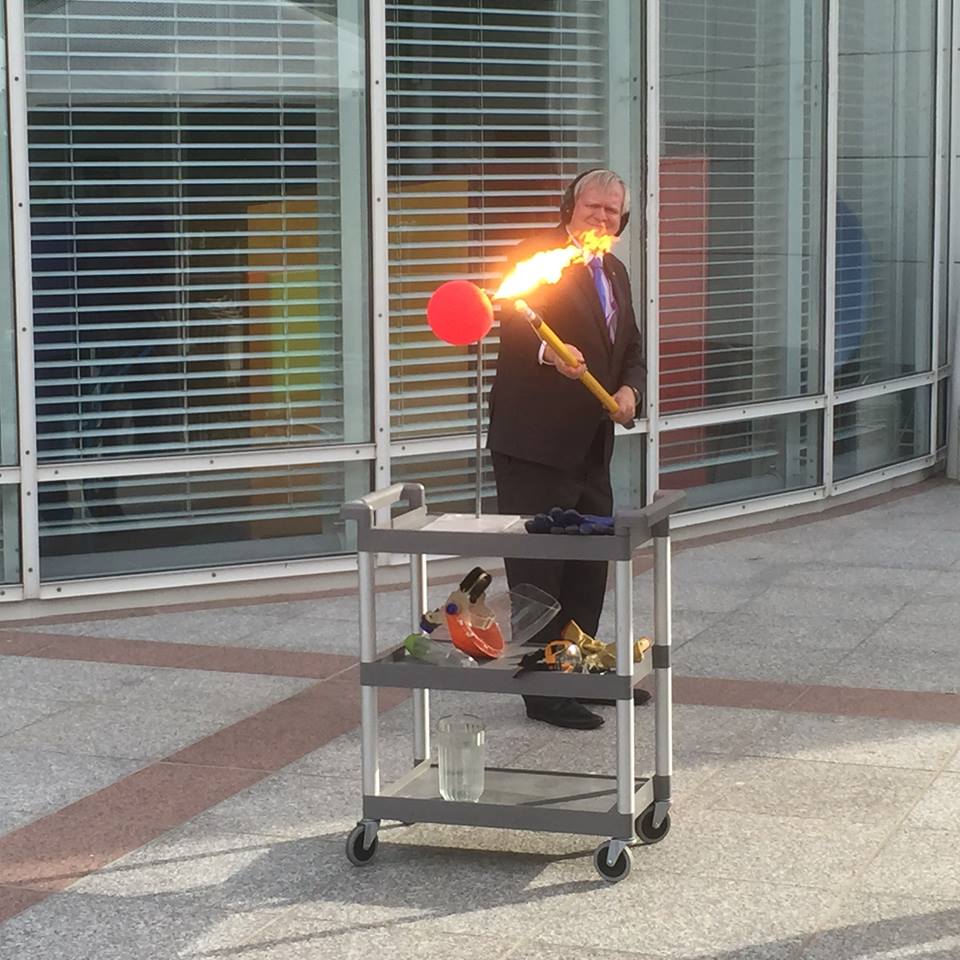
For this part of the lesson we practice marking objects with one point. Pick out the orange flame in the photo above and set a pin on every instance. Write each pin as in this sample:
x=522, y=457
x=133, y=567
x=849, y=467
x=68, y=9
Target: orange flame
x=547, y=266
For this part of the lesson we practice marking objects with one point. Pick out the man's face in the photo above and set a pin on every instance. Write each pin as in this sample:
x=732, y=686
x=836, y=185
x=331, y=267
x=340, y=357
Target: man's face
x=598, y=209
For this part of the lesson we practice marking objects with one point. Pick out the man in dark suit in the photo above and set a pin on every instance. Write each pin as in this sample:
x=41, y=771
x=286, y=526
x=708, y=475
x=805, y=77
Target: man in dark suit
x=550, y=439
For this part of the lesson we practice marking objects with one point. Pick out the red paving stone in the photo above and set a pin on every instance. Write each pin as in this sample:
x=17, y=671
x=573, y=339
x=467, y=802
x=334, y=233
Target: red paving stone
x=925, y=706
x=193, y=656
x=51, y=853
x=21, y=644
x=14, y=900
x=288, y=730
x=749, y=694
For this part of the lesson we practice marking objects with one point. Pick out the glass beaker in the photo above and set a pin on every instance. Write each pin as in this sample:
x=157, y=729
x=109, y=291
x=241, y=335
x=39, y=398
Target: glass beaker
x=460, y=742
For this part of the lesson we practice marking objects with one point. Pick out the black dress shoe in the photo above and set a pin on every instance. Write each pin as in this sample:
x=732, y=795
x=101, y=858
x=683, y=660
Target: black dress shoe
x=562, y=713
x=640, y=697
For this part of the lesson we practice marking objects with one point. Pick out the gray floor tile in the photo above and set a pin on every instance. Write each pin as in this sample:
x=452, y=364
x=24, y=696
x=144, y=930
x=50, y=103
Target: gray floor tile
x=298, y=936
x=759, y=847
x=789, y=663
x=771, y=630
x=875, y=549
x=857, y=740
x=685, y=626
x=539, y=950
x=939, y=808
x=843, y=604
x=213, y=626
x=68, y=680
x=16, y=714
x=942, y=612
x=35, y=782
x=916, y=863
x=910, y=639
x=707, y=565
x=125, y=731
x=817, y=790
x=222, y=695
x=325, y=635
x=713, y=918
x=878, y=926
x=696, y=597
x=855, y=577
x=72, y=926
x=288, y=806
x=897, y=668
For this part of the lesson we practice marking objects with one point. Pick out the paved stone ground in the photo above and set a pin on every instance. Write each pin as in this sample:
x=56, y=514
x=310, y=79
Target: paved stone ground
x=180, y=784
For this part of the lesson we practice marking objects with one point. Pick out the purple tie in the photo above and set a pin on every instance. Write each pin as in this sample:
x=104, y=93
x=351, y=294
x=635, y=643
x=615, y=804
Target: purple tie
x=609, y=309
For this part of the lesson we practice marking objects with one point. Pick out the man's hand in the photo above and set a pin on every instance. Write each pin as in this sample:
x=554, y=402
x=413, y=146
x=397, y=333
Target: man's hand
x=574, y=373
x=626, y=406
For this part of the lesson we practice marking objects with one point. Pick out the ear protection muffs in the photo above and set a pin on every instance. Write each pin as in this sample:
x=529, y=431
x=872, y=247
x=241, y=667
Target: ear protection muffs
x=568, y=201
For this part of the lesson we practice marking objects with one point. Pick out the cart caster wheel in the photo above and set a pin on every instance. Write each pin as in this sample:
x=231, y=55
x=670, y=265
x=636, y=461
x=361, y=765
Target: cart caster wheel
x=645, y=830
x=357, y=853
x=620, y=869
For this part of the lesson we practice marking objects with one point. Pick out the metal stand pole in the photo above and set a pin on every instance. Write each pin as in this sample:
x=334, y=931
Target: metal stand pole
x=478, y=502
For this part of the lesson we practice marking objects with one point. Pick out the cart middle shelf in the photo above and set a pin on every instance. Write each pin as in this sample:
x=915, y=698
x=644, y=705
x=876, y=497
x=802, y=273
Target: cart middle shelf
x=394, y=668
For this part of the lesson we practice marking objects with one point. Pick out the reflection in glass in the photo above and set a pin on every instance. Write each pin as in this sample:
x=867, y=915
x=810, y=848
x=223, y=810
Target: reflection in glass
x=492, y=108
x=197, y=206
x=736, y=461
x=450, y=480
x=884, y=189
x=9, y=534
x=879, y=431
x=943, y=413
x=740, y=207
x=120, y=525
x=8, y=365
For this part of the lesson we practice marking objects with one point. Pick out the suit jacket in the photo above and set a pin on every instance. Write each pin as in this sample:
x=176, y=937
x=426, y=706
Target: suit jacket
x=536, y=413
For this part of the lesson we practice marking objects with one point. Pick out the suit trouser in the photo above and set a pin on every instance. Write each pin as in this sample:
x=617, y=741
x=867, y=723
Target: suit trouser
x=526, y=488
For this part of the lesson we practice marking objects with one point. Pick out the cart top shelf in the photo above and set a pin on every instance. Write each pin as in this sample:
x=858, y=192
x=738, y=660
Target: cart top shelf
x=415, y=531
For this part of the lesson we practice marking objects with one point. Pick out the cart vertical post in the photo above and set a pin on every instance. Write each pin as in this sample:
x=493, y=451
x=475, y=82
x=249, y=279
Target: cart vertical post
x=662, y=671
x=626, y=741
x=421, y=698
x=368, y=654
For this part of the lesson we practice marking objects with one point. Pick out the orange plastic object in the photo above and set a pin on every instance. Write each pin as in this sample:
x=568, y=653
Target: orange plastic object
x=472, y=628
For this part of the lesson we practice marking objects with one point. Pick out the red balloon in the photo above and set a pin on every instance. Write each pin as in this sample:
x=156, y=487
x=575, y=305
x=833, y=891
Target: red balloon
x=460, y=312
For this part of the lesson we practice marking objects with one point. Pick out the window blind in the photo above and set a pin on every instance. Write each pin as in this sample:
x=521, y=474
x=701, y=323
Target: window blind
x=187, y=212
x=741, y=117
x=884, y=190
x=492, y=107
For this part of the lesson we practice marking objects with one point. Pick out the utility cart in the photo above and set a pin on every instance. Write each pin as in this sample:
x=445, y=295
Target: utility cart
x=624, y=809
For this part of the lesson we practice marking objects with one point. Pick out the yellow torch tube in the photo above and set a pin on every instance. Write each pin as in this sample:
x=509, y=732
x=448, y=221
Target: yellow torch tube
x=544, y=331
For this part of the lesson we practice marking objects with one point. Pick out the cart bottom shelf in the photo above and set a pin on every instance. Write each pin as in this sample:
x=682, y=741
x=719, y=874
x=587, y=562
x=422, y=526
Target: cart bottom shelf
x=515, y=799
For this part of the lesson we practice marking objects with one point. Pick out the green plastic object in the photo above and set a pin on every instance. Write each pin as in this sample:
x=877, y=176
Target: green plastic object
x=421, y=647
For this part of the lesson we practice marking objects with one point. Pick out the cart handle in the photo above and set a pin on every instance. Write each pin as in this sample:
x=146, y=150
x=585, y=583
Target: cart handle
x=362, y=510
x=654, y=517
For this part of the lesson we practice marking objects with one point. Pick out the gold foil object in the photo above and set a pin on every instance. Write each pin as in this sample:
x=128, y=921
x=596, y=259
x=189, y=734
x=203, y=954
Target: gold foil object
x=596, y=654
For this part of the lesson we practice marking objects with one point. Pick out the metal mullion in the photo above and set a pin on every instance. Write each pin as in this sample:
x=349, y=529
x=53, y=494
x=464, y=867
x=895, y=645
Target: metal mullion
x=165, y=465
x=379, y=236
x=941, y=141
x=830, y=238
x=651, y=280
x=179, y=579
x=741, y=412
x=884, y=474
x=953, y=269
x=844, y=397
x=743, y=508
x=9, y=475
x=23, y=298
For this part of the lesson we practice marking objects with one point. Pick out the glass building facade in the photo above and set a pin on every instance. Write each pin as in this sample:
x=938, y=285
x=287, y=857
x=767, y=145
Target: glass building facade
x=223, y=222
